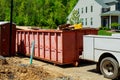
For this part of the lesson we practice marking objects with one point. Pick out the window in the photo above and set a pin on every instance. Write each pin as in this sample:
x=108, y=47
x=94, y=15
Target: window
x=82, y=10
x=91, y=8
x=118, y=6
x=85, y=21
x=78, y=11
x=105, y=9
x=86, y=9
x=91, y=21
x=82, y=21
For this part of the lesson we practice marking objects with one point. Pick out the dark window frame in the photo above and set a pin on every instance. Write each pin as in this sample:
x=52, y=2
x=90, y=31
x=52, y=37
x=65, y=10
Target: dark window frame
x=91, y=21
x=82, y=21
x=91, y=8
x=78, y=10
x=86, y=9
x=118, y=6
x=85, y=21
x=82, y=10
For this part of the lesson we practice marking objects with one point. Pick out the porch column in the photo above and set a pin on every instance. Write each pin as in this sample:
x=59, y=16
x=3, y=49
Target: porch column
x=110, y=21
x=119, y=19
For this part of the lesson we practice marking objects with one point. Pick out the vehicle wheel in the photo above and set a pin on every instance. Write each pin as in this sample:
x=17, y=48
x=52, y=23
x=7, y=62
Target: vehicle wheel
x=109, y=68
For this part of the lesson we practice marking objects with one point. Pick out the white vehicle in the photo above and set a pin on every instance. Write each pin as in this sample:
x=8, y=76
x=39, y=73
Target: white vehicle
x=105, y=50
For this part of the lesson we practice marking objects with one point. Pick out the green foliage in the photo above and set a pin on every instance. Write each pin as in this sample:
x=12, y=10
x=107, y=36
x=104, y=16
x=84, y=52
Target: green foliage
x=104, y=32
x=74, y=19
x=37, y=12
x=104, y=28
x=115, y=25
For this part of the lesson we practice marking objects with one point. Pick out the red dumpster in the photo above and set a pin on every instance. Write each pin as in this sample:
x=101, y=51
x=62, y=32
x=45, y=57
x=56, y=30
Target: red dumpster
x=5, y=48
x=79, y=37
x=52, y=45
x=90, y=31
x=57, y=46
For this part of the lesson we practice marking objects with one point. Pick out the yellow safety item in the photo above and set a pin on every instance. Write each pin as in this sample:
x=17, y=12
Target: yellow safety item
x=77, y=26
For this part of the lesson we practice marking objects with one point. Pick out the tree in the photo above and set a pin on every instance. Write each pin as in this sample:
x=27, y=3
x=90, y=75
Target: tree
x=43, y=13
x=74, y=19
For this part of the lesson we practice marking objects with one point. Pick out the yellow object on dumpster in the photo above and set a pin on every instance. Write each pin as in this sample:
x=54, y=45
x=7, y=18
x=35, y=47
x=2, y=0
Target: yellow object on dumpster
x=77, y=26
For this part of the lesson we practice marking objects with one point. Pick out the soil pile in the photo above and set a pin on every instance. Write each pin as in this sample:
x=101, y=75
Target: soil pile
x=11, y=69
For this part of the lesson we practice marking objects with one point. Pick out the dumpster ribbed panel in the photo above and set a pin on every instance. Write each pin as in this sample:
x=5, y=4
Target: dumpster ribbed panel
x=57, y=46
x=49, y=45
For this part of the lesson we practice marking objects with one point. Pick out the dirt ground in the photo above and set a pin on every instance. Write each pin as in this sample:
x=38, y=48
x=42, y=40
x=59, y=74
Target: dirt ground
x=13, y=69
x=18, y=68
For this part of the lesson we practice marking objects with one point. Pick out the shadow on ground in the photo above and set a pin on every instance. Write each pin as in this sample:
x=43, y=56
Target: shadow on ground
x=82, y=63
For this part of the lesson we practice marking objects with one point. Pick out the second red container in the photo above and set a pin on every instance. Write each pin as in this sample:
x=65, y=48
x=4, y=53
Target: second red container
x=55, y=46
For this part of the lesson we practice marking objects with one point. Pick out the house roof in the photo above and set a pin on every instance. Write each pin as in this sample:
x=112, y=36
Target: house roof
x=109, y=1
x=101, y=2
x=111, y=13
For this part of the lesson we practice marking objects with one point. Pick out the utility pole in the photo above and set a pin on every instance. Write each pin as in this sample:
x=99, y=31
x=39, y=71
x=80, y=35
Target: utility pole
x=11, y=12
x=11, y=15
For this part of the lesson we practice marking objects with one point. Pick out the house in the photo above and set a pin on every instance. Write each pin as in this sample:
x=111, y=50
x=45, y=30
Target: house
x=97, y=13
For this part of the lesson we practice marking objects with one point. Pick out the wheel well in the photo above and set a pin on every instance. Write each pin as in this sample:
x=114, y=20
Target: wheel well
x=103, y=56
x=106, y=55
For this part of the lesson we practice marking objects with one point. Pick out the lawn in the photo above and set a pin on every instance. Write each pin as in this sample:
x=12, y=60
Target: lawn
x=104, y=32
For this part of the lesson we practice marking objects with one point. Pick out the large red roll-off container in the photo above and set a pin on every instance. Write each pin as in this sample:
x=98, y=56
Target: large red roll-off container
x=57, y=46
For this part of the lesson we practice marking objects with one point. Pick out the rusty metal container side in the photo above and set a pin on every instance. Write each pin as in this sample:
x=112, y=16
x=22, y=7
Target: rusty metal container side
x=5, y=39
x=91, y=31
x=69, y=47
x=79, y=37
x=18, y=47
x=79, y=40
x=55, y=46
x=23, y=42
x=13, y=41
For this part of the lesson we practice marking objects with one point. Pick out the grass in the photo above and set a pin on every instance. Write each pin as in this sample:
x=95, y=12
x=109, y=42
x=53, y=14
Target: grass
x=104, y=32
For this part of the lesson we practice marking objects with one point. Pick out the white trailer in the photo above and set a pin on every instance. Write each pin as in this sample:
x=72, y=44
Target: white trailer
x=105, y=50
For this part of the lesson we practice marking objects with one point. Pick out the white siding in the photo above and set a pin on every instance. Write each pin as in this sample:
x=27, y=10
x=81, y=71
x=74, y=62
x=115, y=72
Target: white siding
x=112, y=8
x=95, y=14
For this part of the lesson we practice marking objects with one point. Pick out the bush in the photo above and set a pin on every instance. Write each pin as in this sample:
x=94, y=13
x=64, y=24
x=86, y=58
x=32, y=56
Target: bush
x=104, y=32
x=115, y=25
x=104, y=28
